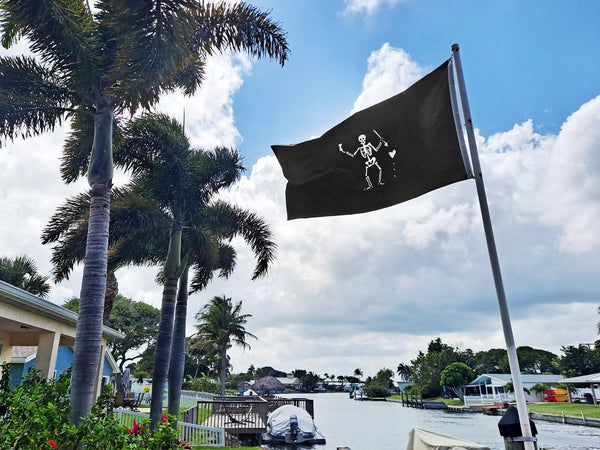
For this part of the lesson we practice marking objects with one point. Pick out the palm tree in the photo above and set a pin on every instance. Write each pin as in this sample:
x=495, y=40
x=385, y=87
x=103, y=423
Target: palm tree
x=404, y=371
x=221, y=325
x=358, y=373
x=169, y=202
x=538, y=389
x=22, y=272
x=92, y=67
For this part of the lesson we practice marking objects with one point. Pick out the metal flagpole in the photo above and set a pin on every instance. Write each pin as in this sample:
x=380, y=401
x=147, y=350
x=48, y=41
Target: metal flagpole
x=489, y=236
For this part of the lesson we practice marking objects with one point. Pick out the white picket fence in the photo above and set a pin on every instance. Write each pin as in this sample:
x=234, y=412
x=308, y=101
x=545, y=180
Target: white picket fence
x=188, y=432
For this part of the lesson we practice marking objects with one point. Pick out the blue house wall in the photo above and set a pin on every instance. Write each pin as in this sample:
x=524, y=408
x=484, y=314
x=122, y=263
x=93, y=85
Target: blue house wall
x=64, y=359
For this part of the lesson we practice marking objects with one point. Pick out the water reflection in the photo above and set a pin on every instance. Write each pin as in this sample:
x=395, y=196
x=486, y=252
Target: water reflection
x=385, y=425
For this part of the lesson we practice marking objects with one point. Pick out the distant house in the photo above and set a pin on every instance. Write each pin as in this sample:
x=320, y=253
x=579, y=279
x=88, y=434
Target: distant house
x=489, y=388
x=24, y=358
x=30, y=321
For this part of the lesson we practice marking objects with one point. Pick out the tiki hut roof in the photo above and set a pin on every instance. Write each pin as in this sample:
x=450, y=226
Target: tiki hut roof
x=267, y=384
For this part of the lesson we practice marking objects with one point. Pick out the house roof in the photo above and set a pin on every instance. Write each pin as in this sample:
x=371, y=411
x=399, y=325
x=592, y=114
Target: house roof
x=22, y=299
x=592, y=378
x=266, y=384
x=503, y=378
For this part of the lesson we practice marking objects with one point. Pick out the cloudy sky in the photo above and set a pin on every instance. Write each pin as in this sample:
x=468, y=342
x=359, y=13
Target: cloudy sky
x=371, y=290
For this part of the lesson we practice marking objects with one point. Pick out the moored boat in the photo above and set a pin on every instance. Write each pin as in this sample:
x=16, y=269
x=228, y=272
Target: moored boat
x=420, y=439
x=289, y=424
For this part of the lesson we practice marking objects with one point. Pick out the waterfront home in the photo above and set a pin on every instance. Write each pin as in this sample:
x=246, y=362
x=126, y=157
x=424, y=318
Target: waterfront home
x=24, y=359
x=587, y=385
x=31, y=321
x=490, y=388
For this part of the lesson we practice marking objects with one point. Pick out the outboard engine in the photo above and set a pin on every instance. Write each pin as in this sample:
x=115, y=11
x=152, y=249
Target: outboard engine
x=294, y=427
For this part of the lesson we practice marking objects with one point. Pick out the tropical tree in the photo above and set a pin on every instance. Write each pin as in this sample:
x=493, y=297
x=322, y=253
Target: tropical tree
x=538, y=389
x=579, y=360
x=532, y=360
x=22, y=272
x=91, y=67
x=510, y=387
x=404, y=371
x=221, y=325
x=136, y=320
x=456, y=376
x=385, y=378
x=357, y=373
x=168, y=206
x=490, y=361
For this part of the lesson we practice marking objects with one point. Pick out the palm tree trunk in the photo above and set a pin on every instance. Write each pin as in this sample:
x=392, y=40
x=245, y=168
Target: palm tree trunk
x=177, y=364
x=223, y=368
x=112, y=289
x=88, y=338
x=162, y=353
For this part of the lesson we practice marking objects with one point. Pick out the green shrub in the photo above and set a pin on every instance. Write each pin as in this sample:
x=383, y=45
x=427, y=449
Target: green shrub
x=374, y=389
x=202, y=384
x=36, y=416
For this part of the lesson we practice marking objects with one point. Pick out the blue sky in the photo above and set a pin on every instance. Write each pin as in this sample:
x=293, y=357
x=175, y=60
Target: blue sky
x=535, y=60
x=371, y=290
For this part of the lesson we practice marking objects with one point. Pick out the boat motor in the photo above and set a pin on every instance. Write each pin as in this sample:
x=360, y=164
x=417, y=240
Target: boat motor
x=294, y=427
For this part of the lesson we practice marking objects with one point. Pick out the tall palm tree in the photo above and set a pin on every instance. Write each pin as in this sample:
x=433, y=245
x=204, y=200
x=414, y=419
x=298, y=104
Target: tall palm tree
x=404, y=371
x=93, y=66
x=22, y=272
x=167, y=207
x=222, y=325
x=358, y=373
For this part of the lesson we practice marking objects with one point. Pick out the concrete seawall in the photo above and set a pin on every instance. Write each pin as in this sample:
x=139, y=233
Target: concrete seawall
x=572, y=420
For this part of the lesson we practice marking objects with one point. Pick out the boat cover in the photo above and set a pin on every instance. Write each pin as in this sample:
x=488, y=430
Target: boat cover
x=428, y=440
x=278, y=422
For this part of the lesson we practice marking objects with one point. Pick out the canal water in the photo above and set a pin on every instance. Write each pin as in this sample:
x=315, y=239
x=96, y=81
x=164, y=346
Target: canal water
x=366, y=425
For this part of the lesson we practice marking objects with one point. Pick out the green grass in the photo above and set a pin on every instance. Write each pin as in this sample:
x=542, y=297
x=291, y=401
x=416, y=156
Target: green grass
x=570, y=409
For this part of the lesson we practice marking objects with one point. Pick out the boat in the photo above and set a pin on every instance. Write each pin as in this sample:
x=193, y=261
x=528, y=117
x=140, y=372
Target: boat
x=289, y=424
x=358, y=394
x=434, y=405
x=420, y=439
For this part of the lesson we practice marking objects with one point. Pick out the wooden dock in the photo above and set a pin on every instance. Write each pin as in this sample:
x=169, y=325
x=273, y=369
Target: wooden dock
x=412, y=400
x=243, y=418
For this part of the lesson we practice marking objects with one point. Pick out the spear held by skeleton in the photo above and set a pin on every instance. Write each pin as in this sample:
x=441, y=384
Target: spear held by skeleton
x=380, y=138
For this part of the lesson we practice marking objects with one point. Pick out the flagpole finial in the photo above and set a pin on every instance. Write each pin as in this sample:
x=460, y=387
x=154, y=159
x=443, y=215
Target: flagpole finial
x=455, y=47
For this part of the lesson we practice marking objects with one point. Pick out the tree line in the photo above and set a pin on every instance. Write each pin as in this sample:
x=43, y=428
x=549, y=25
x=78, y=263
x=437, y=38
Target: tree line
x=444, y=365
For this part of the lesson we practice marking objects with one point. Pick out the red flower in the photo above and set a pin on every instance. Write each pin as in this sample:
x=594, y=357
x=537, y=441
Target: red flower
x=135, y=429
x=53, y=444
x=164, y=419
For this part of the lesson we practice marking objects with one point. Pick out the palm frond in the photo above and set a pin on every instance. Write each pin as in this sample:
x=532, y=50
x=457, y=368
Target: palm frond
x=74, y=211
x=62, y=32
x=33, y=99
x=69, y=251
x=233, y=221
x=238, y=27
x=152, y=47
x=149, y=142
x=215, y=170
x=22, y=272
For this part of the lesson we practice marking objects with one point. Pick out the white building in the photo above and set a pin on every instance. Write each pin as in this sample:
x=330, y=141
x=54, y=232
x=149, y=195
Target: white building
x=488, y=388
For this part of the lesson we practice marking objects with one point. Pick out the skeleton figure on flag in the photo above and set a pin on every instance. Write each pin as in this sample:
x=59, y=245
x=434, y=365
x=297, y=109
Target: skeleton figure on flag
x=366, y=150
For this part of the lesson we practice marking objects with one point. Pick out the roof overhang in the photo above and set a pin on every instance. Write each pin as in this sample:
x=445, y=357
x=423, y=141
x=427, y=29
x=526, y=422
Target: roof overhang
x=22, y=299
